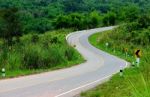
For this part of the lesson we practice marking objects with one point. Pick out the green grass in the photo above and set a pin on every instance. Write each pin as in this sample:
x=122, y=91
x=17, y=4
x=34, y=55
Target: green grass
x=37, y=53
x=135, y=82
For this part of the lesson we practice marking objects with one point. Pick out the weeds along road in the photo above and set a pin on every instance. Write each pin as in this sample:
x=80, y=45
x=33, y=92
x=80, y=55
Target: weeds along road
x=68, y=82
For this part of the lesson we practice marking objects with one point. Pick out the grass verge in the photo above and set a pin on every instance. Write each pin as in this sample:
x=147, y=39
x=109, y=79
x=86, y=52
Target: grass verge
x=37, y=53
x=135, y=81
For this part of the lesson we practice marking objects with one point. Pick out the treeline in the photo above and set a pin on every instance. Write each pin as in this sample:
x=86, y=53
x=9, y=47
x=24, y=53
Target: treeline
x=43, y=15
x=136, y=32
x=84, y=21
x=10, y=26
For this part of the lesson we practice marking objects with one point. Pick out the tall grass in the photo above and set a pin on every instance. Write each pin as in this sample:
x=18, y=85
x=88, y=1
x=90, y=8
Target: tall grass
x=45, y=51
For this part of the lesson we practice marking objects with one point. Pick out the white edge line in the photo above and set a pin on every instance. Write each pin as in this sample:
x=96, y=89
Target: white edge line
x=83, y=86
x=88, y=84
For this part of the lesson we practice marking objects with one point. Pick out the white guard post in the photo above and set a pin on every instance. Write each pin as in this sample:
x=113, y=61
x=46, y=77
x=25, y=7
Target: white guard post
x=138, y=62
x=3, y=72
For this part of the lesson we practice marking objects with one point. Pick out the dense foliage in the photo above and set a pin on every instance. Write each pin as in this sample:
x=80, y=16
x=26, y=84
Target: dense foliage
x=42, y=15
x=10, y=25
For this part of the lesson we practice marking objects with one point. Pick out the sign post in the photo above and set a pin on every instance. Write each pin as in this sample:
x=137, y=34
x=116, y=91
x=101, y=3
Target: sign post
x=138, y=55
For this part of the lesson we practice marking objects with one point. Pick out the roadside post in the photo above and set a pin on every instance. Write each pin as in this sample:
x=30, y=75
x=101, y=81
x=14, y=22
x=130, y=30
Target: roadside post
x=106, y=44
x=3, y=72
x=121, y=73
x=138, y=62
x=138, y=56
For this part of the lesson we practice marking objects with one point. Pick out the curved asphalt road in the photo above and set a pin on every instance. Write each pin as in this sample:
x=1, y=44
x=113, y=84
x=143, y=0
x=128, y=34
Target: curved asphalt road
x=71, y=81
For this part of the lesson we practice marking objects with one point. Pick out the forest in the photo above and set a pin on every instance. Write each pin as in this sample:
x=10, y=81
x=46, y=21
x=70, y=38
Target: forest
x=40, y=16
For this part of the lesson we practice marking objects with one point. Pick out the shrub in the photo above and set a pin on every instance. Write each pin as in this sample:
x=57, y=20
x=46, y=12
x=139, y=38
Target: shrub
x=69, y=53
x=31, y=58
x=109, y=19
x=54, y=40
x=34, y=38
x=14, y=61
x=56, y=54
x=3, y=57
x=36, y=56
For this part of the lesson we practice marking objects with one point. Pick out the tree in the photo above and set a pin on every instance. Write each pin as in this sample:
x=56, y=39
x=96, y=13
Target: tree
x=72, y=5
x=94, y=19
x=109, y=19
x=76, y=20
x=130, y=13
x=144, y=21
x=73, y=20
x=62, y=22
x=11, y=25
x=40, y=25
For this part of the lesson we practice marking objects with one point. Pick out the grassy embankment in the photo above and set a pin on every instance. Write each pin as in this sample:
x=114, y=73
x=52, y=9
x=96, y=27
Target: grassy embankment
x=136, y=81
x=36, y=53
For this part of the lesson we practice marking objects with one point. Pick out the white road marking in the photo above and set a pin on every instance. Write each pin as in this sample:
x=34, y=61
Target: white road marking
x=88, y=84
x=83, y=86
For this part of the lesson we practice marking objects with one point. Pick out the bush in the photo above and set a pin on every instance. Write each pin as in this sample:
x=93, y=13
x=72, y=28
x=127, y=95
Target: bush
x=78, y=21
x=14, y=61
x=10, y=58
x=32, y=58
x=54, y=40
x=34, y=38
x=69, y=53
x=36, y=57
x=144, y=21
x=109, y=19
x=3, y=57
x=56, y=54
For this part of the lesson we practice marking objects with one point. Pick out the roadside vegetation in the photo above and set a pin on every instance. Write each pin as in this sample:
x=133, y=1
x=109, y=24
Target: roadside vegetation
x=123, y=41
x=37, y=53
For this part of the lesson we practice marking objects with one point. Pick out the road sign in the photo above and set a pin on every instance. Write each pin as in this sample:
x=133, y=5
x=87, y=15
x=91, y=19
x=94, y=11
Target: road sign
x=138, y=53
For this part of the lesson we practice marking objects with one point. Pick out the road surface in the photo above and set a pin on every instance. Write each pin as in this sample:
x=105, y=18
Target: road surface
x=68, y=82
